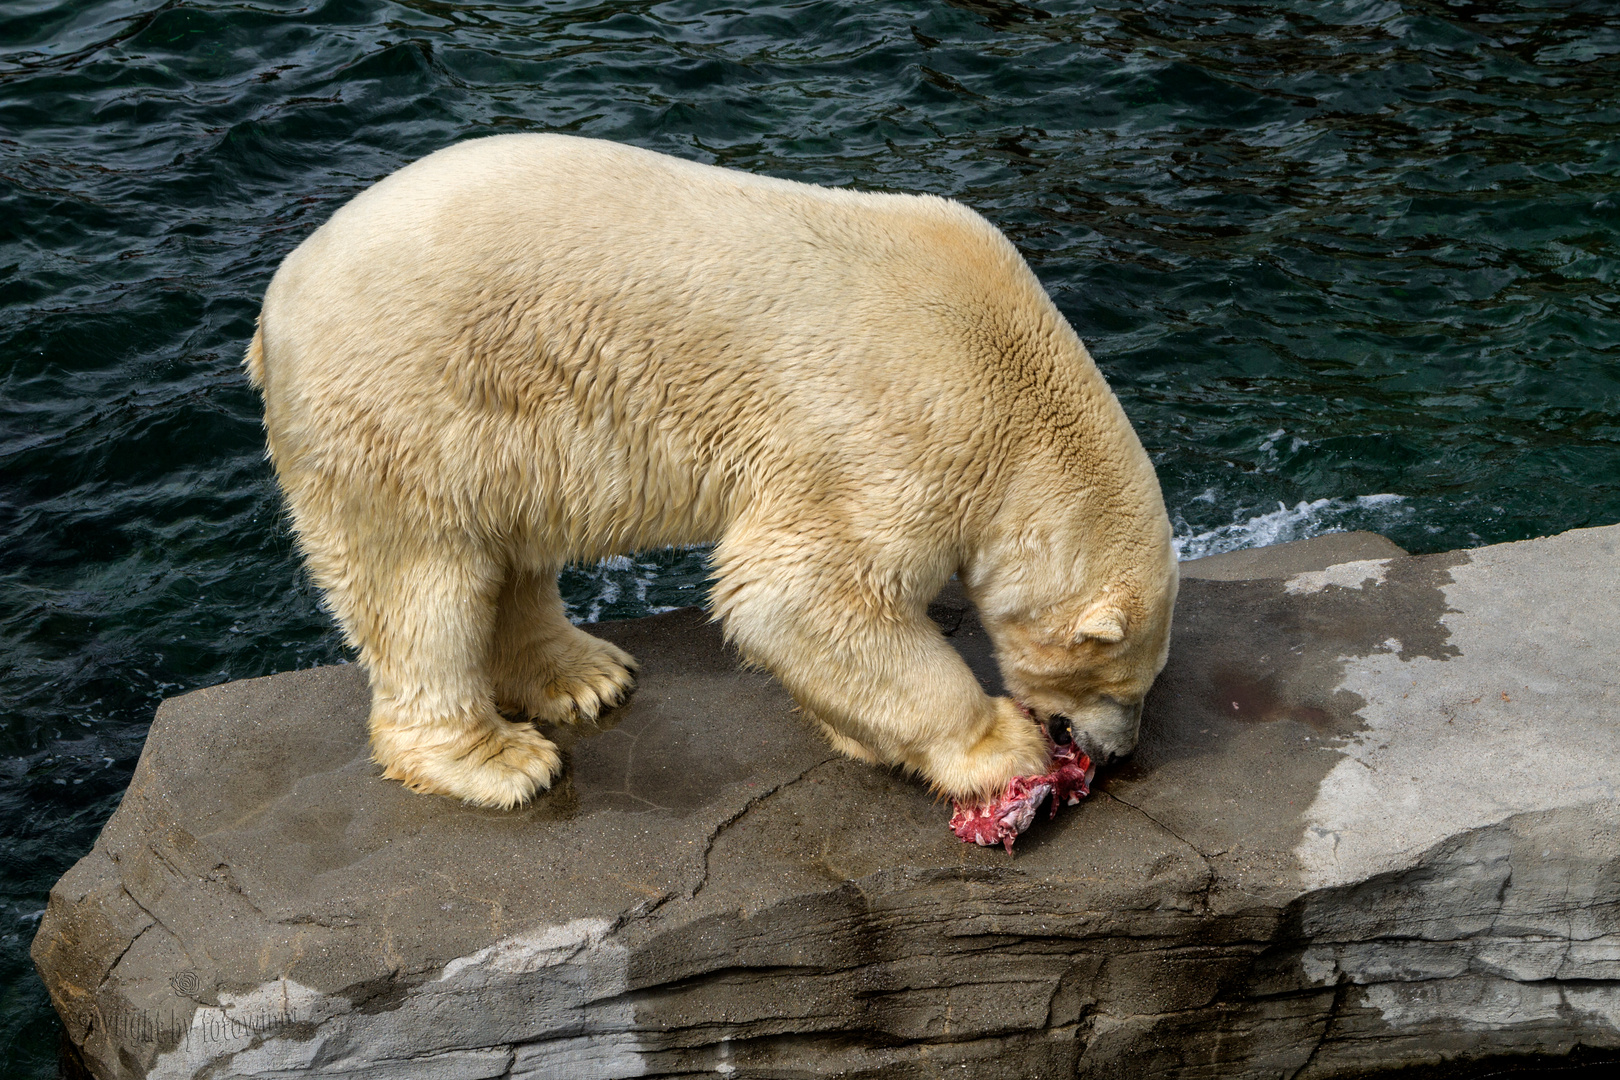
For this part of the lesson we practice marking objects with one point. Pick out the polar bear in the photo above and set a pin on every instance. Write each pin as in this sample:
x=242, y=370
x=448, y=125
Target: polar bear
x=526, y=350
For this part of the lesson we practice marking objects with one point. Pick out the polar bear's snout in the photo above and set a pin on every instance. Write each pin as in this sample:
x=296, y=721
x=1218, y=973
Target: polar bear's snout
x=1106, y=731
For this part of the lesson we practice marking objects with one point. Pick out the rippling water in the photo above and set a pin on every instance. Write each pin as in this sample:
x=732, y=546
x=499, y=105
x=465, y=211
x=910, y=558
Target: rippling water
x=1347, y=264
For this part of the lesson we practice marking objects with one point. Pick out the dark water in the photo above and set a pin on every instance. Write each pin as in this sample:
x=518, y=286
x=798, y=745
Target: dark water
x=1348, y=264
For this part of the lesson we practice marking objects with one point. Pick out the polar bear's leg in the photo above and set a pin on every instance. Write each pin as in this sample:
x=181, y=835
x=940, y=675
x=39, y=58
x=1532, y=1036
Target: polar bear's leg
x=878, y=674
x=422, y=614
x=543, y=666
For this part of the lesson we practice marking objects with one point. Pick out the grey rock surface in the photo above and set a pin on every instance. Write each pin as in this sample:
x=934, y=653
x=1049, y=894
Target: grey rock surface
x=1371, y=824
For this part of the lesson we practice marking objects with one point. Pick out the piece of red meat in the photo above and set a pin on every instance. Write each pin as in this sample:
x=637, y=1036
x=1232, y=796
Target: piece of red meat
x=1000, y=821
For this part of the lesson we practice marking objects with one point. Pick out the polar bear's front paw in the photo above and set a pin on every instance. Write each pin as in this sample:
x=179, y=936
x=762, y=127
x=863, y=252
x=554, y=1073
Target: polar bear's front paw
x=1011, y=745
x=583, y=679
x=494, y=764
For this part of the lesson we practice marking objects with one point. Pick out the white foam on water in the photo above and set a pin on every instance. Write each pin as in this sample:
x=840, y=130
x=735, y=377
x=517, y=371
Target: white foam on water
x=614, y=579
x=1304, y=519
x=608, y=581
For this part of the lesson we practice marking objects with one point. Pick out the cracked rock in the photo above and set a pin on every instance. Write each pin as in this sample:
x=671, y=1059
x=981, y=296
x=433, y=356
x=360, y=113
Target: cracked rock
x=1371, y=825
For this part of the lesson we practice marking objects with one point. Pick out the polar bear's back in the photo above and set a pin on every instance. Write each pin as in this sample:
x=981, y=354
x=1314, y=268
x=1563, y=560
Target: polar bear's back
x=620, y=342
x=591, y=216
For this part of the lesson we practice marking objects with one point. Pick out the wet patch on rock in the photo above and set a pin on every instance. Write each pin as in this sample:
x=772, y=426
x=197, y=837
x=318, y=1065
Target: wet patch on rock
x=1250, y=713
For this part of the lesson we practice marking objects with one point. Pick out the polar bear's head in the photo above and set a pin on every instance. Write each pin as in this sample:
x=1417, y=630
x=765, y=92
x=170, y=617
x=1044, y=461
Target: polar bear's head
x=1086, y=664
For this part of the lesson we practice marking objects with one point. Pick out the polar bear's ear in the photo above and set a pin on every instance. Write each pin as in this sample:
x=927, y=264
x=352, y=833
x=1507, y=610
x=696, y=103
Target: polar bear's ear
x=1103, y=622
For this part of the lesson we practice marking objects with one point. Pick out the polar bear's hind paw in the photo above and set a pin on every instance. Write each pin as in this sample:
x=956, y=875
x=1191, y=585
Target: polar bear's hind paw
x=591, y=677
x=602, y=682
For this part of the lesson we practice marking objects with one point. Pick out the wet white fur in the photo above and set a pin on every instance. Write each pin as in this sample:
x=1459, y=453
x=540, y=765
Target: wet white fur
x=531, y=349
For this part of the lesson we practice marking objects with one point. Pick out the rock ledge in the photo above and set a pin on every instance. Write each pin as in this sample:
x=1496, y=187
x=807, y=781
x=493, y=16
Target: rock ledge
x=1372, y=824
